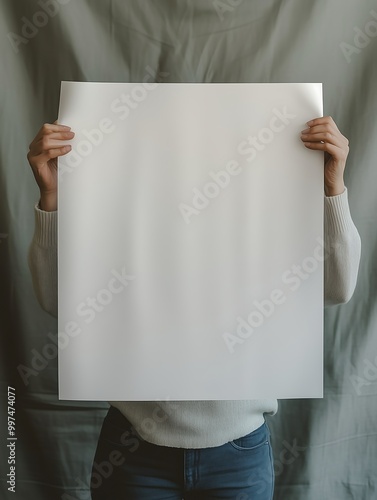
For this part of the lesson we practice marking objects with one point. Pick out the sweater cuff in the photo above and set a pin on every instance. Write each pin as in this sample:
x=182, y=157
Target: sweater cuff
x=337, y=213
x=45, y=232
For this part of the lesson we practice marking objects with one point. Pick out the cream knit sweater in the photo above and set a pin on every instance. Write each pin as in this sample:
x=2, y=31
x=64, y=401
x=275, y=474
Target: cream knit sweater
x=200, y=424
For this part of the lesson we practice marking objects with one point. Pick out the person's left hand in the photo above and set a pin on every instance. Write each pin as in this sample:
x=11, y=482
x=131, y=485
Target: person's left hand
x=324, y=135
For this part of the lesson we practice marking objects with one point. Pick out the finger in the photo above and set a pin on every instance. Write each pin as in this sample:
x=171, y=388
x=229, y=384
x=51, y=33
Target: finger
x=321, y=121
x=334, y=151
x=59, y=124
x=50, y=154
x=325, y=137
x=45, y=139
x=41, y=147
x=56, y=136
x=54, y=126
x=328, y=134
x=325, y=128
x=322, y=127
x=49, y=128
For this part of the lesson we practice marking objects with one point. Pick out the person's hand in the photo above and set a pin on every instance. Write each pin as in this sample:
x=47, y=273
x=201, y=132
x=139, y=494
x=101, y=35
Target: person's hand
x=324, y=135
x=42, y=156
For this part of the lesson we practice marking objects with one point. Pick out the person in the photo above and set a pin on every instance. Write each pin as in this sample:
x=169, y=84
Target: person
x=191, y=449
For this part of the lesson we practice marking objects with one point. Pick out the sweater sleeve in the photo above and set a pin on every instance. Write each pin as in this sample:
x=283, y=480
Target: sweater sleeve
x=43, y=259
x=342, y=250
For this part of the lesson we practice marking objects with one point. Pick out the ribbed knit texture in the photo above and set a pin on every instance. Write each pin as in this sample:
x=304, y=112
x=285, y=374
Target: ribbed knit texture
x=43, y=259
x=200, y=424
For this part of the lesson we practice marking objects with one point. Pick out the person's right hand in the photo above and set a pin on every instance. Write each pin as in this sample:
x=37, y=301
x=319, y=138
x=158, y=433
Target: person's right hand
x=42, y=156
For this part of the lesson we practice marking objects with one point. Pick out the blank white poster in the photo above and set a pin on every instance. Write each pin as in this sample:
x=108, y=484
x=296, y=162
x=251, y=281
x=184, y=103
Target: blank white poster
x=190, y=242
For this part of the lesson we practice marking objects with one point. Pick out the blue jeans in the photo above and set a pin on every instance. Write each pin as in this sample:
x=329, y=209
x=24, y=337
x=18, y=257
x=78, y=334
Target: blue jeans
x=126, y=467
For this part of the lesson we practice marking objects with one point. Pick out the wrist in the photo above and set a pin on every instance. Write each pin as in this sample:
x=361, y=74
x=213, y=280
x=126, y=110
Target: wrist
x=48, y=202
x=334, y=189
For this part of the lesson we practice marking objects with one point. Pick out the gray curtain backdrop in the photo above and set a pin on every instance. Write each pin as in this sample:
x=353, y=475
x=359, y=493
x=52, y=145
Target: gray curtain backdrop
x=324, y=448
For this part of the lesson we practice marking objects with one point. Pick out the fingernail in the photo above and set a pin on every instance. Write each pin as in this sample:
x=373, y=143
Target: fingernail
x=309, y=123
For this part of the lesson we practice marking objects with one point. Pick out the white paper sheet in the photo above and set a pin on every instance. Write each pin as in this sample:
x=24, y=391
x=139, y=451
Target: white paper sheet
x=190, y=227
